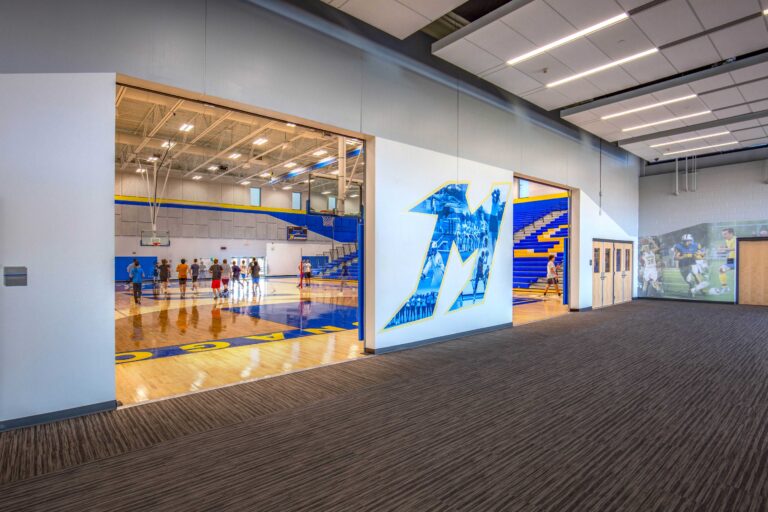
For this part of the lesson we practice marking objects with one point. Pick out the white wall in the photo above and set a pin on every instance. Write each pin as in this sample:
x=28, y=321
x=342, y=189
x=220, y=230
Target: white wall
x=57, y=337
x=727, y=193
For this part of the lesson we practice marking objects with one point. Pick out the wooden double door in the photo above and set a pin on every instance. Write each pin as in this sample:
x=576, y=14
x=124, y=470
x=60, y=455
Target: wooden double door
x=753, y=271
x=611, y=273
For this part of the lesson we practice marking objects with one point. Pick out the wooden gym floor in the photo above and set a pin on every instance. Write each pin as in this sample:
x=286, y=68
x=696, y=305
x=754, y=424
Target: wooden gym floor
x=533, y=307
x=170, y=346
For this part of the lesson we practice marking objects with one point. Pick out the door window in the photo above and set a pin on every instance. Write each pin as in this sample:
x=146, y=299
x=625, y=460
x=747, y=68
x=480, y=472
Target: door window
x=608, y=260
x=596, y=261
x=627, y=265
x=618, y=260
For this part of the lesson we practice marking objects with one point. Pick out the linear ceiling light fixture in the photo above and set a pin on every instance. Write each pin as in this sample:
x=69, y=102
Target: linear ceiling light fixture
x=646, y=107
x=690, y=139
x=702, y=147
x=603, y=67
x=665, y=121
x=567, y=39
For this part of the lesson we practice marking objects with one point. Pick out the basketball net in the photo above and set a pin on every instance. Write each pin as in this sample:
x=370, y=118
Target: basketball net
x=327, y=221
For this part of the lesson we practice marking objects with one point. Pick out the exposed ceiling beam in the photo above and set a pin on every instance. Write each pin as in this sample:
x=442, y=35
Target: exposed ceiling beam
x=229, y=148
x=187, y=145
x=695, y=127
x=724, y=67
x=295, y=157
x=148, y=136
x=255, y=159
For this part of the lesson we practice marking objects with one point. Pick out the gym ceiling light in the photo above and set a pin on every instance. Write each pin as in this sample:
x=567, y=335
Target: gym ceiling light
x=603, y=67
x=665, y=121
x=700, y=148
x=260, y=141
x=646, y=107
x=690, y=139
x=186, y=127
x=290, y=165
x=567, y=39
x=319, y=152
x=235, y=156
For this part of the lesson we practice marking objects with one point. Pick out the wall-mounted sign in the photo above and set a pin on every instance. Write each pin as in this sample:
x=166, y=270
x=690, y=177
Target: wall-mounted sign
x=297, y=233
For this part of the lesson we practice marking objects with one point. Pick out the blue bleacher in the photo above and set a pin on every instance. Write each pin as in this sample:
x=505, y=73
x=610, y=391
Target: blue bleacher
x=332, y=269
x=528, y=271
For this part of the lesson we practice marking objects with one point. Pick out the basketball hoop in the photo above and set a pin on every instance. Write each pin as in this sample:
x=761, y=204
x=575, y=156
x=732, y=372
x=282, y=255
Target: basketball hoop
x=327, y=221
x=156, y=242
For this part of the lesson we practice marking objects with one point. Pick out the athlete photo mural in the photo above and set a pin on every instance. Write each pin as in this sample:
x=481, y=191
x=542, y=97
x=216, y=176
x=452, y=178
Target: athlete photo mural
x=696, y=262
x=471, y=232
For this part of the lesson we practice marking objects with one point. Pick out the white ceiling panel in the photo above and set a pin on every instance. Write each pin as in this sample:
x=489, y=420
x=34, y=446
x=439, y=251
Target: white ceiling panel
x=752, y=133
x=539, y=23
x=750, y=73
x=513, y=80
x=579, y=90
x=586, y=13
x=684, y=108
x=621, y=40
x=672, y=93
x=650, y=68
x=732, y=111
x=469, y=56
x=501, y=41
x=742, y=38
x=692, y=54
x=667, y=22
x=628, y=5
x=755, y=91
x=545, y=68
x=717, y=12
x=741, y=125
x=614, y=79
x=547, y=99
x=399, y=18
x=713, y=82
x=758, y=106
x=580, y=55
x=722, y=98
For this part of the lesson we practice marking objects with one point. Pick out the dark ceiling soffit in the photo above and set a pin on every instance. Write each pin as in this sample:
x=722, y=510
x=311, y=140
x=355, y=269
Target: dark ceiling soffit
x=479, y=23
x=735, y=156
x=726, y=67
x=694, y=127
x=414, y=54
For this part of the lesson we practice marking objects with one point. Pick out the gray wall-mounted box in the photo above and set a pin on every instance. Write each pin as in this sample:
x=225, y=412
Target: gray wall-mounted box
x=15, y=276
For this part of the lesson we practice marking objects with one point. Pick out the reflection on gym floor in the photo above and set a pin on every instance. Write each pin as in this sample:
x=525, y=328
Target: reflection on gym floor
x=170, y=345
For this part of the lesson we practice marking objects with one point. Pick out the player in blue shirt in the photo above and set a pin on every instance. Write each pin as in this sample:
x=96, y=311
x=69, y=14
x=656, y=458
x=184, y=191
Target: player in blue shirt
x=137, y=275
x=685, y=255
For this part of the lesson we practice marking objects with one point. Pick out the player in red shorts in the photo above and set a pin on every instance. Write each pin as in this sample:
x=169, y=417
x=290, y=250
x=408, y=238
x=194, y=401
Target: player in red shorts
x=216, y=271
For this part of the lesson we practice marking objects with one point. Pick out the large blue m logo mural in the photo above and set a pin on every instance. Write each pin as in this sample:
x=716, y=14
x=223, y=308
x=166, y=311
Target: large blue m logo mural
x=472, y=232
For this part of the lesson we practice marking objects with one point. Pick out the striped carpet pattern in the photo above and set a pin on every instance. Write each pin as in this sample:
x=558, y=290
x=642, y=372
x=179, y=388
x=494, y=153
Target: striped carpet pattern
x=649, y=406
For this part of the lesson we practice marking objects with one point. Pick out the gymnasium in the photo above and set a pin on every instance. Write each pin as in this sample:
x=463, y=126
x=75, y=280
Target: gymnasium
x=384, y=254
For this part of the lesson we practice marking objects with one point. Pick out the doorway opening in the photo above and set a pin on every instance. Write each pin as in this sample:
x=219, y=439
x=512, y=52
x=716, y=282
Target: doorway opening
x=541, y=214
x=246, y=233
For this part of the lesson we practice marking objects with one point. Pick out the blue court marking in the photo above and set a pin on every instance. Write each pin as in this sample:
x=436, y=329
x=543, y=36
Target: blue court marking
x=307, y=319
x=516, y=301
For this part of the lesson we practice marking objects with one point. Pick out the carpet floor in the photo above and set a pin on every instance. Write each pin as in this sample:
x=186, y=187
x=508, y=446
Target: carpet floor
x=648, y=406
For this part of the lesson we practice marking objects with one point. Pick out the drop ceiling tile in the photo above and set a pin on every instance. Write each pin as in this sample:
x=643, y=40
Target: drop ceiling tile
x=545, y=68
x=750, y=73
x=667, y=22
x=713, y=82
x=752, y=133
x=539, y=23
x=650, y=68
x=585, y=13
x=743, y=124
x=432, y=9
x=684, y=108
x=732, y=111
x=758, y=106
x=722, y=98
x=673, y=92
x=547, y=99
x=742, y=38
x=513, y=80
x=582, y=118
x=621, y=40
x=580, y=54
x=579, y=90
x=692, y=54
x=628, y=5
x=612, y=80
x=500, y=40
x=468, y=56
x=387, y=15
x=755, y=91
x=717, y=12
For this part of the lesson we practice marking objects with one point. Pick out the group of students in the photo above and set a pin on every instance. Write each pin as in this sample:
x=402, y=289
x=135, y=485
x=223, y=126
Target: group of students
x=221, y=275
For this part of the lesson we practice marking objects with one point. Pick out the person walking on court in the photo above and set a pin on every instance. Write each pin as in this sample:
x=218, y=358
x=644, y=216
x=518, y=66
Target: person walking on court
x=137, y=275
x=552, y=276
x=344, y=276
x=216, y=271
x=307, y=273
x=236, y=276
x=225, y=277
x=128, y=270
x=203, y=270
x=255, y=270
x=165, y=276
x=181, y=270
x=195, y=269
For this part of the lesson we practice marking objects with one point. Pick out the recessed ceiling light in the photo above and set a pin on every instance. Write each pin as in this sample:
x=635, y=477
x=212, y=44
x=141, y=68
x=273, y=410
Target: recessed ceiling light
x=290, y=125
x=567, y=39
x=197, y=178
x=355, y=195
x=290, y=165
x=665, y=121
x=140, y=170
x=152, y=159
x=646, y=107
x=245, y=183
x=765, y=12
x=261, y=141
x=167, y=144
x=320, y=152
x=287, y=187
x=700, y=148
x=690, y=139
x=265, y=175
x=186, y=127
x=235, y=156
x=326, y=192
x=213, y=168
x=603, y=67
